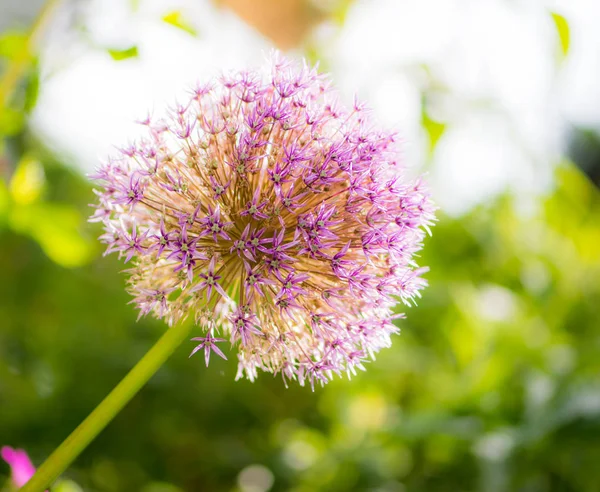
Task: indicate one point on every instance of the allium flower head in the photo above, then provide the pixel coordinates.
(277, 218)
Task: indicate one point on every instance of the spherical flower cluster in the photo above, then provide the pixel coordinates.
(275, 217)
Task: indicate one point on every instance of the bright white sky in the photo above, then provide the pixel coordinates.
(89, 102)
(493, 65)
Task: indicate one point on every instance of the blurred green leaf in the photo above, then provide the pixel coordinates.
(12, 121)
(4, 202)
(27, 181)
(12, 44)
(118, 55)
(340, 11)
(175, 18)
(56, 228)
(160, 487)
(434, 129)
(66, 486)
(563, 30)
(32, 90)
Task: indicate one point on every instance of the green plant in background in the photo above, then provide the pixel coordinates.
(492, 386)
(263, 211)
(25, 204)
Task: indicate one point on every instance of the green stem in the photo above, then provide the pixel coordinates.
(21, 61)
(73, 445)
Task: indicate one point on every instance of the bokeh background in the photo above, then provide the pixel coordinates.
(494, 383)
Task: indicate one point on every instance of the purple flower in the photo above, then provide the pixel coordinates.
(130, 193)
(209, 344)
(279, 175)
(149, 300)
(256, 240)
(131, 243)
(213, 225)
(163, 239)
(255, 281)
(291, 212)
(218, 188)
(20, 465)
(210, 281)
(338, 264)
(184, 251)
(290, 285)
(244, 324)
(255, 206)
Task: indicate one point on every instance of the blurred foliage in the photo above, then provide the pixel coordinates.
(14, 53)
(492, 386)
(177, 19)
(55, 225)
(584, 149)
(118, 55)
(564, 32)
(434, 129)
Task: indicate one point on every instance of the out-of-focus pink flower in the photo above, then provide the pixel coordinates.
(20, 465)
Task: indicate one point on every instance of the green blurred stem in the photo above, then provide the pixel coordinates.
(73, 445)
(20, 62)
